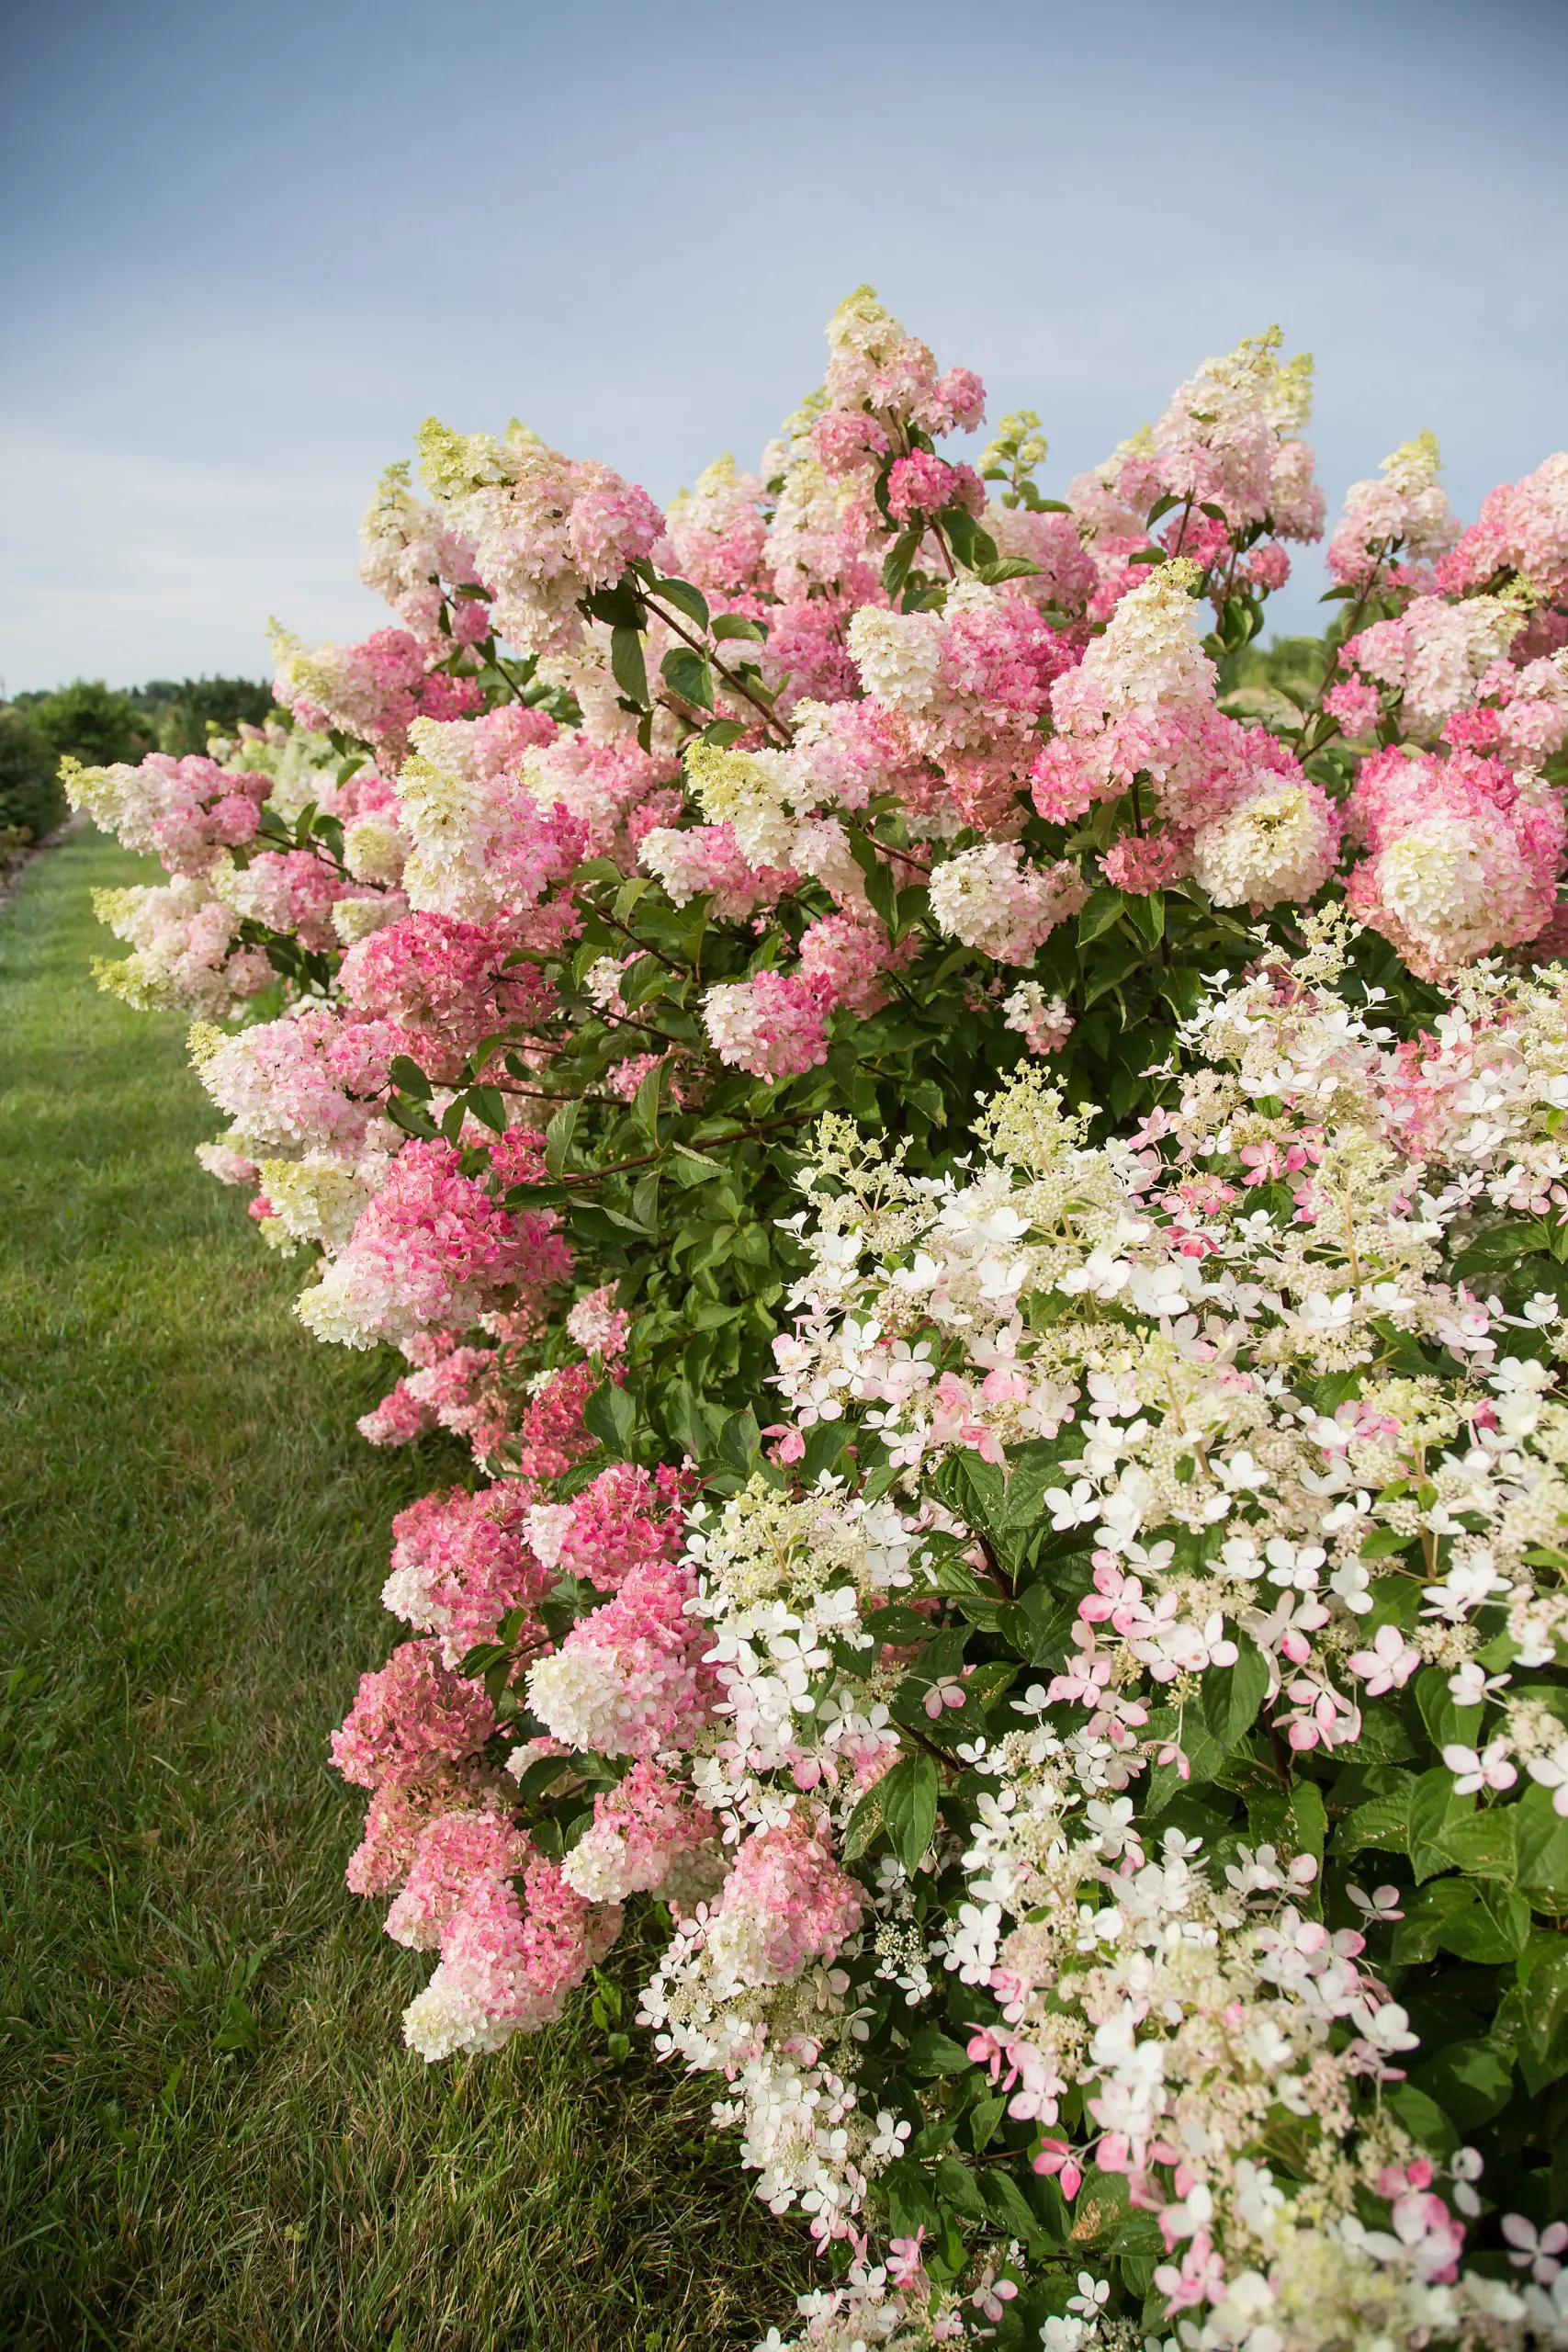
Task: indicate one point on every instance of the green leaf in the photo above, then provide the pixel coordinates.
(621, 606)
(412, 1120)
(958, 2189)
(686, 598)
(407, 1074)
(1427, 1915)
(489, 1106)
(896, 562)
(1495, 1928)
(1541, 1847)
(645, 1103)
(1232, 1695)
(1433, 1805)
(1481, 1845)
(611, 1417)
(1469, 2081)
(645, 1202)
(536, 1777)
(643, 979)
(1501, 1245)
(688, 674)
(1007, 567)
(628, 665)
(1423, 2119)
(1006, 2204)
(1296, 1822)
(1149, 914)
(932, 2052)
(1445, 1722)
(557, 1138)
(1102, 909)
(908, 1806)
(726, 625)
(1383, 1822)
(1111, 965)
(1538, 2006)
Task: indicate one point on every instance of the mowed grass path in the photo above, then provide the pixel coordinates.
(212, 2133)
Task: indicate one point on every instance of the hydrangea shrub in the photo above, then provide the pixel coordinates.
(990, 1207)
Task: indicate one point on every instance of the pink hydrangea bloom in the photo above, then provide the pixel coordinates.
(787, 1901)
(629, 1678)
(647, 1832)
(399, 1811)
(772, 1024)
(847, 962)
(1404, 508)
(1278, 842)
(624, 1519)
(991, 899)
(399, 1418)
(1522, 527)
(598, 1325)
(375, 690)
(289, 891)
(1461, 860)
(447, 982)
(922, 485)
(305, 1082)
(410, 1715)
(451, 1855)
(460, 1561)
(1356, 704)
(701, 858)
(507, 1965)
(551, 1436)
(1140, 863)
(718, 533)
(956, 402)
(432, 1247)
(185, 811)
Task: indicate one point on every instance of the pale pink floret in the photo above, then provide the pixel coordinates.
(508, 1964)
(399, 1811)
(698, 859)
(185, 812)
(846, 962)
(624, 1519)
(305, 1082)
(1523, 528)
(445, 982)
(374, 691)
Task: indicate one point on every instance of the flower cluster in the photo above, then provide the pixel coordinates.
(1160, 1503)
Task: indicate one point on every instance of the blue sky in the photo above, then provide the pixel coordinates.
(251, 247)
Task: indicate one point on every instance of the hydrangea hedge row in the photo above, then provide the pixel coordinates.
(993, 1215)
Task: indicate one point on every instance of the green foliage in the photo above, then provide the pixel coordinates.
(88, 721)
(186, 713)
(30, 796)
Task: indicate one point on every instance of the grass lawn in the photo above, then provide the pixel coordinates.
(213, 2136)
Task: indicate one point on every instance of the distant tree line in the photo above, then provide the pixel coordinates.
(99, 724)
